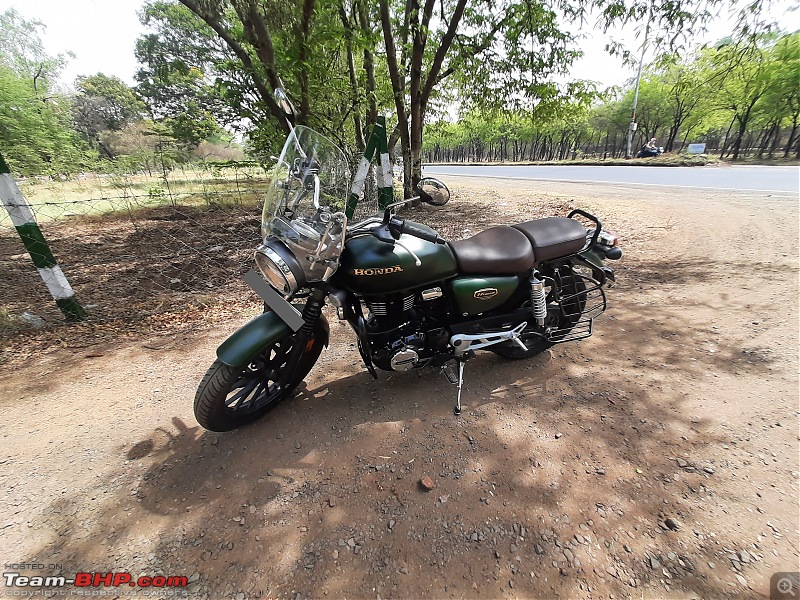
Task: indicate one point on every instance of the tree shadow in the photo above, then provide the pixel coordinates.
(558, 479)
(562, 475)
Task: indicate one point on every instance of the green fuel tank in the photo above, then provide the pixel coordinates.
(368, 266)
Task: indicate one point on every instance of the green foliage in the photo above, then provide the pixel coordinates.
(513, 61)
(189, 71)
(182, 59)
(35, 132)
(191, 126)
(103, 103)
(738, 98)
(115, 104)
(207, 63)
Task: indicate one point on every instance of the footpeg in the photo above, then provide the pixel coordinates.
(448, 372)
(464, 343)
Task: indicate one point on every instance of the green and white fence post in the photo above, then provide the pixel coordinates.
(376, 143)
(28, 229)
(385, 188)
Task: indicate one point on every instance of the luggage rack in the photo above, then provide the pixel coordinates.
(592, 303)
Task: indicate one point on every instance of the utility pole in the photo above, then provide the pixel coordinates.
(633, 125)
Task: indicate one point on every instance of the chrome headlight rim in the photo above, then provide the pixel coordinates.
(279, 267)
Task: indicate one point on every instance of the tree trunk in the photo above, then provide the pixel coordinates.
(792, 133)
(737, 142)
(421, 92)
(743, 121)
(304, 59)
(351, 68)
(398, 89)
(772, 132)
(725, 141)
(257, 34)
(369, 65)
(775, 139)
(686, 137)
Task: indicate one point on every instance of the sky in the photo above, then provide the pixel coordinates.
(102, 35)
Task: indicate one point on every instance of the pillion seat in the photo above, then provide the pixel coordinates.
(553, 237)
(501, 250)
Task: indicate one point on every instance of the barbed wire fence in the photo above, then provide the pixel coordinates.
(140, 250)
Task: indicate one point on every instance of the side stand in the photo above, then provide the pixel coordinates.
(459, 381)
(460, 362)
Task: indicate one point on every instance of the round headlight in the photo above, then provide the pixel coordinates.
(279, 267)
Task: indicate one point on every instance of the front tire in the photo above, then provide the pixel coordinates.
(229, 397)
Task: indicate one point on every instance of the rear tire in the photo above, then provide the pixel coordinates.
(229, 397)
(513, 352)
(555, 318)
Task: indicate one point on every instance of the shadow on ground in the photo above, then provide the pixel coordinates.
(560, 478)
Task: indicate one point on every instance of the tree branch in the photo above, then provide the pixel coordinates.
(213, 21)
(441, 52)
(302, 76)
(369, 63)
(398, 81)
(257, 33)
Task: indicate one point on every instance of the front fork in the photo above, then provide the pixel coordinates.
(311, 314)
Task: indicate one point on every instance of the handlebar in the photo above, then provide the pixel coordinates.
(400, 226)
(392, 230)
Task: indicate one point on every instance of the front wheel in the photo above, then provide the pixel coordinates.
(229, 397)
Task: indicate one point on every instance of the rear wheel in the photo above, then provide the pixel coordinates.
(561, 316)
(229, 397)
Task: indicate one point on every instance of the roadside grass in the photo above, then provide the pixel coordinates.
(766, 162)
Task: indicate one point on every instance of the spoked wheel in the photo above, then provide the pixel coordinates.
(229, 397)
(561, 317)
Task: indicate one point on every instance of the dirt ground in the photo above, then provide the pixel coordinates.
(658, 459)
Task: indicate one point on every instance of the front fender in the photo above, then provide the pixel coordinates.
(255, 335)
(250, 339)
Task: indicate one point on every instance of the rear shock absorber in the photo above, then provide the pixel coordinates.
(538, 299)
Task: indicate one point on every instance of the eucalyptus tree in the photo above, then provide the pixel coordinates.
(781, 102)
(427, 54)
(742, 76)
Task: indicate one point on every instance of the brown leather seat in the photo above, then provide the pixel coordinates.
(501, 250)
(554, 237)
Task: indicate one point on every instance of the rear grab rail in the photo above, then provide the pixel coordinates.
(595, 220)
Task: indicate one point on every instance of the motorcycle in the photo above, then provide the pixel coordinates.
(650, 151)
(413, 299)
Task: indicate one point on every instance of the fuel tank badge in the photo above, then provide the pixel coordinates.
(486, 293)
(380, 271)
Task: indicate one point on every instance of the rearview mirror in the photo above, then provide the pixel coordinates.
(432, 191)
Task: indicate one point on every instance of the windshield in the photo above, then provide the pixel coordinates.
(305, 201)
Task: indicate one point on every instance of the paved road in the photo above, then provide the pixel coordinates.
(754, 178)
